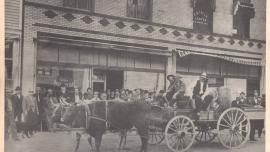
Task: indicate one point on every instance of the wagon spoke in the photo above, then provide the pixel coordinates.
(243, 130)
(239, 118)
(226, 121)
(231, 140)
(172, 129)
(240, 135)
(229, 119)
(245, 119)
(238, 138)
(224, 125)
(183, 141)
(236, 116)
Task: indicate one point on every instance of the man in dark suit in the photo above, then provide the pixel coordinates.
(16, 100)
(199, 90)
(41, 108)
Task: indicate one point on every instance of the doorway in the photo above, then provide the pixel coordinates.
(252, 85)
(114, 79)
(107, 79)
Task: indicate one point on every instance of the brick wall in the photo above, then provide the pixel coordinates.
(180, 13)
(258, 23)
(174, 12)
(111, 7)
(223, 19)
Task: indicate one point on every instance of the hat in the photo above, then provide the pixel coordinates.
(170, 75)
(242, 93)
(203, 75)
(18, 88)
(179, 76)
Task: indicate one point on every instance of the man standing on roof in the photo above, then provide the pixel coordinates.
(176, 89)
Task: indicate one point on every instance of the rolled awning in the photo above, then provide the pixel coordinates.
(239, 60)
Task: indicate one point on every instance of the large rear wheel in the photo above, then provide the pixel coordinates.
(180, 133)
(233, 128)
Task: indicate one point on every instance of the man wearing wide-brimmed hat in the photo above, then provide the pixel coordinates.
(16, 100)
(199, 90)
(176, 89)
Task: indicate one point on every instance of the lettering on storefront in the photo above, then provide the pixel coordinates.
(62, 80)
(200, 17)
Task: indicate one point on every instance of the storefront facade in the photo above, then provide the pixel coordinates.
(112, 49)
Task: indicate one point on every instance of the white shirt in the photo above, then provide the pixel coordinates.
(201, 89)
(77, 98)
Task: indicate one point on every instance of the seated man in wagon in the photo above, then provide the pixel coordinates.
(199, 91)
(176, 90)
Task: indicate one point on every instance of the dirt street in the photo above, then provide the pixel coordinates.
(64, 142)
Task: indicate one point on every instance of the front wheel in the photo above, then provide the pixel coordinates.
(180, 133)
(233, 128)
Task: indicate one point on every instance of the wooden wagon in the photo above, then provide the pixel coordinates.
(180, 128)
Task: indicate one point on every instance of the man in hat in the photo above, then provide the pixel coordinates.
(16, 100)
(63, 97)
(176, 89)
(199, 90)
(30, 112)
(76, 96)
(10, 124)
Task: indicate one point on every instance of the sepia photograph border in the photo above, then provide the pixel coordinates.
(2, 76)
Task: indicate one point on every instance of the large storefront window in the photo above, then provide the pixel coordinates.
(98, 68)
(55, 76)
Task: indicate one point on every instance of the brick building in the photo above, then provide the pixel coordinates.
(109, 44)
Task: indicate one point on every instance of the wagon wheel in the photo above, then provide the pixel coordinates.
(180, 133)
(156, 134)
(233, 128)
(205, 134)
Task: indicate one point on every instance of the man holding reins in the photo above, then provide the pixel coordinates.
(176, 89)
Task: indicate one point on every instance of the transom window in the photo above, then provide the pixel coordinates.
(80, 4)
(141, 9)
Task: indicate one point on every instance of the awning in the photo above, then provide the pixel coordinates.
(104, 44)
(239, 60)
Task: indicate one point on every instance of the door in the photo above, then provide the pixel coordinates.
(252, 85)
(99, 80)
(114, 79)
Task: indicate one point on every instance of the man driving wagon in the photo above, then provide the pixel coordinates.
(176, 90)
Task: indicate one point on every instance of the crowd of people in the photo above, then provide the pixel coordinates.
(30, 113)
(256, 101)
